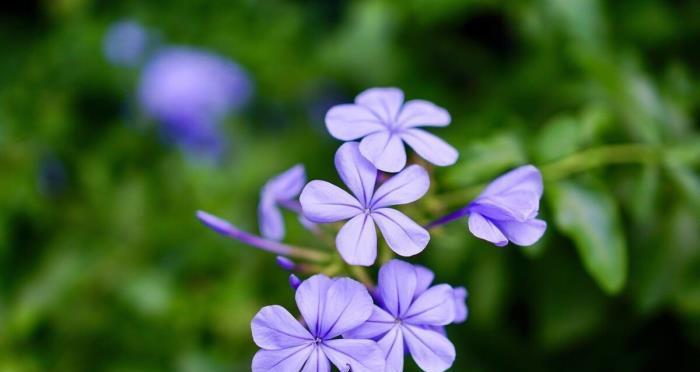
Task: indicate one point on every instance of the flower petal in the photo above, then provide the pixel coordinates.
(271, 221)
(357, 241)
(285, 186)
(349, 122)
(519, 205)
(275, 328)
(356, 171)
(403, 236)
(348, 305)
(317, 362)
(323, 202)
(396, 286)
(424, 277)
(360, 355)
(422, 113)
(284, 360)
(482, 228)
(461, 311)
(385, 151)
(384, 102)
(525, 178)
(378, 324)
(311, 300)
(433, 307)
(430, 147)
(405, 187)
(392, 345)
(431, 350)
(522, 233)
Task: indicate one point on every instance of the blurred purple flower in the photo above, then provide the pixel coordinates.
(281, 190)
(126, 43)
(324, 202)
(410, 315)
(506, 209)
(329, 307)
(190, 91)
(384, 122)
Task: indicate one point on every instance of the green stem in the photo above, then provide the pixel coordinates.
(576, 163)
(601, 156)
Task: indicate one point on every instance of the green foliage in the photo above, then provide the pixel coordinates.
(110, 271)
(589, 216)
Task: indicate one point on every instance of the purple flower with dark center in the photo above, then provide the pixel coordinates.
(125, 43)
(384, 122)
(281, 190)
(189, 91)
(324, 202)
(506, 210)
(330, 307)
(410, 315)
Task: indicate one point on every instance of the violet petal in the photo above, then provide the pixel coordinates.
(484, 229)
(360, 355)
(396, 286)
(275, 328)
(422, 113)
(430, 147)
(385, 150)
(356, 171)
(357, 241)
(405, 187)
(324, 202)
(349, 122)
(402, 234)
(429, 349)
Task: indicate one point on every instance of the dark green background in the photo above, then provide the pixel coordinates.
(108, 270)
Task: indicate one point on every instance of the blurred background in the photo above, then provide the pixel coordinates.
(119, 119)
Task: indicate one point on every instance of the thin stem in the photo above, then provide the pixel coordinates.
(448, 218)
(576, 163)
(362, 275)
(225, 228)
(601, 156)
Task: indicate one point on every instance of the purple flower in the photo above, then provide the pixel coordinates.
(189, 92)
(323, 202)
(410, 315)
(384, 122)
(506, 209)
(330, 307)
(125, 43)
(281, 190)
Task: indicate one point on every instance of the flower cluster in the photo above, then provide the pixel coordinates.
(362, 326)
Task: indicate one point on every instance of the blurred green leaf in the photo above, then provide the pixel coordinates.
(484, 159)
(589, 216)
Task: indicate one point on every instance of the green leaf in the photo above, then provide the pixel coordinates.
(589, 216)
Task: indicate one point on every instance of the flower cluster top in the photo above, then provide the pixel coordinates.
(360, 326)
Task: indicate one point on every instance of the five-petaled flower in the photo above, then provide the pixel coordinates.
(506, 209)
(384, 122)
(411, 314)
(323, 202)
(330, 307)
(281, 190)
